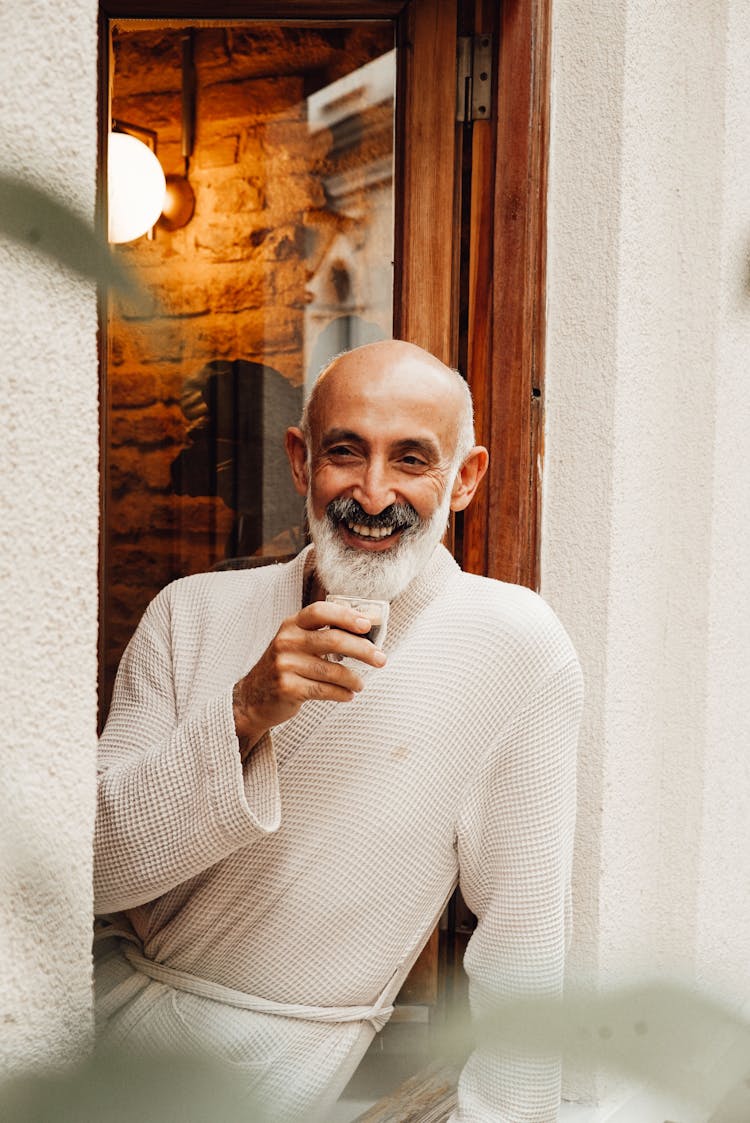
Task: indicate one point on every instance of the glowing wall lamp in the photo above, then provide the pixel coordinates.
(136, 185)
(139, 194)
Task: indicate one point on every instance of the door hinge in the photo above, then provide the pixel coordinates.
(474, 78)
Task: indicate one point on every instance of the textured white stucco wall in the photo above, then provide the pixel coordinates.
(646, 487)
(723, 921)
(48, 553)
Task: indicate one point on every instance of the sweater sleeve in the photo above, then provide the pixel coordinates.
(515, 843)
(173, 798)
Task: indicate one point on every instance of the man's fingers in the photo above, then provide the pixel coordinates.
(327, 628)
(318, 671)
(335, 641)
(328, 692)
(293, 643)
(328, 614)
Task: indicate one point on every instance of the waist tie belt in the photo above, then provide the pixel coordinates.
(377, 1014)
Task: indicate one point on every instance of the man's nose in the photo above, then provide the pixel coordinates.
(374, 491)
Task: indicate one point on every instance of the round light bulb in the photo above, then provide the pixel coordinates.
(136, 188)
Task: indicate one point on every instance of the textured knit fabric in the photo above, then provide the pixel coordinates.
(315, 874)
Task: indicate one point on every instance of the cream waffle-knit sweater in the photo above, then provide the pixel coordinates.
(314, 875)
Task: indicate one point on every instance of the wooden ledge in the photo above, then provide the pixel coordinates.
(427, 1097)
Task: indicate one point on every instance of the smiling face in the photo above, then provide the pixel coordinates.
(381, 475)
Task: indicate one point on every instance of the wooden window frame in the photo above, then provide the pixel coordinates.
(505, 334)
(505, 351)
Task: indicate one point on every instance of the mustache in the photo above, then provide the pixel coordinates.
(400, 516)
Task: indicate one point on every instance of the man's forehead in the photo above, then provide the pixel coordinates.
(397, 374)
(391, 390)
(392, 410)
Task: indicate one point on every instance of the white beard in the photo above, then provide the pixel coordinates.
(375, 575)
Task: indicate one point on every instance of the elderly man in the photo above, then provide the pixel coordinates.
(285, 809)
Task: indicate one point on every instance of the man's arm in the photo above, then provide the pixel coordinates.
(515, 843)
(174, 798)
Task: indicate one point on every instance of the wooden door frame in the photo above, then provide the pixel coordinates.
(507, 291)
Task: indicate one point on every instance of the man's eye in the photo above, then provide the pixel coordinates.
(340, 450)
(413, 461)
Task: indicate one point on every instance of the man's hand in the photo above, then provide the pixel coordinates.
(293, 668)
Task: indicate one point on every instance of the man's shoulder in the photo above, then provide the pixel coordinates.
(501, 614)
(503, 600)
(227, 588)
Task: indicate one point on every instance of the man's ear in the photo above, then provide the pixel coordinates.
(469, 477)
(296, 450)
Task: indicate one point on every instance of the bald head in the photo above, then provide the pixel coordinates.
(394, 371)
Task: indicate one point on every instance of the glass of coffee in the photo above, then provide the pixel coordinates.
(374, 610)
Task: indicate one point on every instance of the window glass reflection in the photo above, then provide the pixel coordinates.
(286, 260)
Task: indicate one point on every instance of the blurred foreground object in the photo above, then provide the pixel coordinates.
(41, 222)
(664, 1035)
(116, 1088)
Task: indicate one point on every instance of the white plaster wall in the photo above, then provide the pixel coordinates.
(646, 494)
(48, 552)
(584, 220)
(723, 921)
